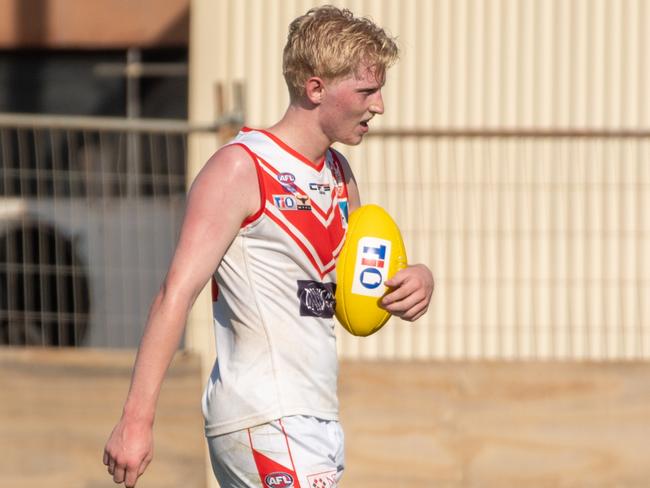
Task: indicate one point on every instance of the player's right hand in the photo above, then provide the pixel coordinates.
(129, 451)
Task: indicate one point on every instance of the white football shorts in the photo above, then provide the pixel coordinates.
(292, 452)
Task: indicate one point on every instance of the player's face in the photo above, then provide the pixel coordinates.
(349, 105)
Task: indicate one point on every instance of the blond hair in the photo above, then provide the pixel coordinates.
(331, 43)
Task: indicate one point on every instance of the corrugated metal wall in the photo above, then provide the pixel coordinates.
(540, 245)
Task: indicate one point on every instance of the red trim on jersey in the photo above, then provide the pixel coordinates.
(323, 238)
(321, 272)
(280, 188)
(258, 170)
(214, 289)
(288, 148)
(339, 167)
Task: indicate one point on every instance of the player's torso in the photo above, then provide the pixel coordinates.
(275, 305)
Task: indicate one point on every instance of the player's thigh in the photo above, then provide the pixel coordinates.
(295, 451)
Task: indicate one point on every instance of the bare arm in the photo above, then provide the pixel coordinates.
(224, 193)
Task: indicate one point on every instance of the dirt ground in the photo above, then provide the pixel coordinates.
(424, 424)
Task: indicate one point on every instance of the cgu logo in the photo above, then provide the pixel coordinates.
(286, 178)
(278, 480)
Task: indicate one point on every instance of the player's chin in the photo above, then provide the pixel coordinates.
(352, 140)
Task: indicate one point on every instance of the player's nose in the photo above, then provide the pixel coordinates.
(377, 105)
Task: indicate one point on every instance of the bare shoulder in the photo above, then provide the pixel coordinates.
(233, 160)
(229, 176)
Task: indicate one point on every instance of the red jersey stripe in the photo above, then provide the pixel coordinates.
(288, 148)
(301, 245)
(270, 169)
(256, 215)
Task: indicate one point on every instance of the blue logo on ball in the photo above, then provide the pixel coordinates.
(370, 278)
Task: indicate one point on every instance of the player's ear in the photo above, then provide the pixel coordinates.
(315, 90)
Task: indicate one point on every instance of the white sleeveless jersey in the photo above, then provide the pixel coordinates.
(273, 294)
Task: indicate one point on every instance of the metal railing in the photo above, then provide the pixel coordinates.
(89, 212)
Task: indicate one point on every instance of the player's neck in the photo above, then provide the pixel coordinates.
(299, 129)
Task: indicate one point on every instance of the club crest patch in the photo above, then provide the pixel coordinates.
(316, 298)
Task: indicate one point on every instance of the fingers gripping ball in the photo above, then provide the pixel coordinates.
(373, 252)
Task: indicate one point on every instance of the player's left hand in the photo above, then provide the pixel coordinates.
(412, 288)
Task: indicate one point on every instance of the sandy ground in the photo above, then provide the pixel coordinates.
(407, 424)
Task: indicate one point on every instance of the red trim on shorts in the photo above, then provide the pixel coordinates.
(286, 438)
(258, 170)
(288, 148)
(250, 443)
(267, 466)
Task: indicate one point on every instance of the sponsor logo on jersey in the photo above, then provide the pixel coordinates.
(286, 178)
(322, 188)
(304, 202)
(338, 177)
(322, 480)
(287, 181)
(316, 298)
(285, 202)
(371, 268)
(278, 480)
(343, 208)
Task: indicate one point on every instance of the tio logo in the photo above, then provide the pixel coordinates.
(278, 480)
(371, 268)
(373, 256)
(284, 202)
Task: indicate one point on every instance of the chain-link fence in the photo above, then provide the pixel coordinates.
(89, 215)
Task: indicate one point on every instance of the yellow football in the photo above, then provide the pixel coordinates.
(372, 253)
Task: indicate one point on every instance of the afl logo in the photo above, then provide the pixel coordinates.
(278, 480)
(286, 178)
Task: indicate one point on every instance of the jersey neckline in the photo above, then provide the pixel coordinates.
(287, 148)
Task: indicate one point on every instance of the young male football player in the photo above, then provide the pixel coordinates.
(265, 220)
